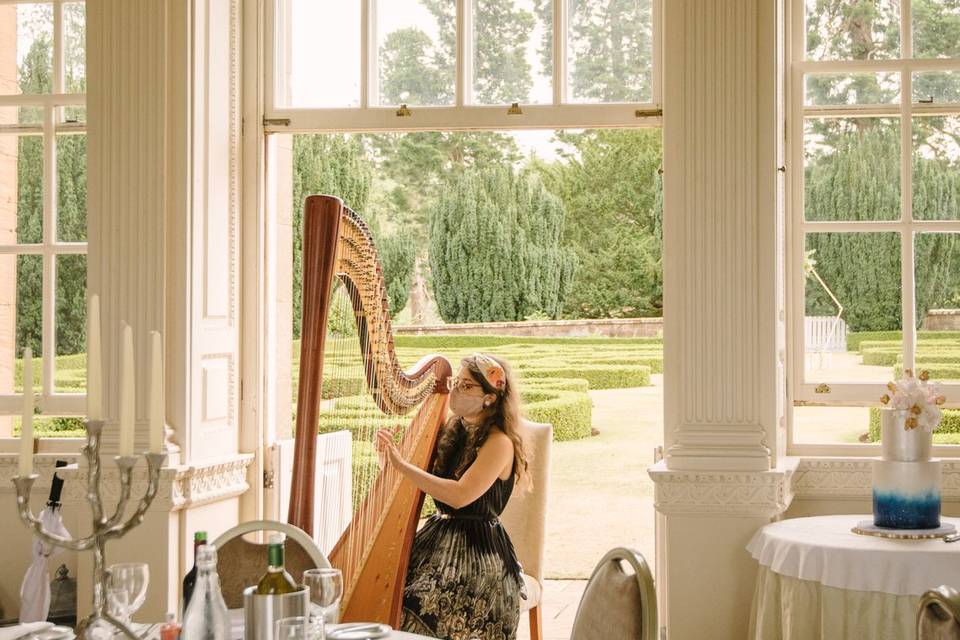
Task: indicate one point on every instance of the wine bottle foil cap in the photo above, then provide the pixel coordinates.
(207, 555)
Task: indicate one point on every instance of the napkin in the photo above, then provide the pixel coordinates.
(20, 630)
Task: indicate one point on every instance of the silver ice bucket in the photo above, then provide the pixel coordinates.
(261, 612)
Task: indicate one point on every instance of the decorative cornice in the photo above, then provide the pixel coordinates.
(181, 487)
(730, 493)
(852, 478)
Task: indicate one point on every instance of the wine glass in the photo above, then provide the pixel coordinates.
(118, 604)
(326, 589)
(297, 628)
(133, 578)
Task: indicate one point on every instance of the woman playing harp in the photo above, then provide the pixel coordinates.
(464, 580)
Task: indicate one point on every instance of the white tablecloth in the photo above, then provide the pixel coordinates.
(818, 579)
(236, 624)
(825, 550)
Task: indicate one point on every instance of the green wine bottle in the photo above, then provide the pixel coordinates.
(276, 580)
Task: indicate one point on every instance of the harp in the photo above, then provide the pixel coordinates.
(374, 550)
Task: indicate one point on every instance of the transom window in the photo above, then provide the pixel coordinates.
(424, 64)
(874, 136)
(43, 224)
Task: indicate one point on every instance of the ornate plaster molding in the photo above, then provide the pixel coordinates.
(730, 493)
(851, 478)
(181, 487)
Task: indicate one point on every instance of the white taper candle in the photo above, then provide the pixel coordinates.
(156, 393)
(94, 363)
(26, 419)
(126, 392)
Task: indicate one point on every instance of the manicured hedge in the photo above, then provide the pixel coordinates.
(890, 357)
(937, 371)
(461, 341)
(854, 340)
(598, 376)
(949, 426)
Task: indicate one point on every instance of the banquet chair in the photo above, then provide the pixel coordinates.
(241, 563)
(618, 604)
(938, 617)
(525, 519)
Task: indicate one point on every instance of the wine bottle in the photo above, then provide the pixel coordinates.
(189, 580)
(276, 580)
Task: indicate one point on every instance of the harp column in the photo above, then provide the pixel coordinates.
(723, 474)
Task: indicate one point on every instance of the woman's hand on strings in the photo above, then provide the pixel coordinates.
(386, 448)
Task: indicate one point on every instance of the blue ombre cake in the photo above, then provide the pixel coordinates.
(906, 482)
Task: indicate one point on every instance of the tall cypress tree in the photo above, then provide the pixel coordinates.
(496, 248)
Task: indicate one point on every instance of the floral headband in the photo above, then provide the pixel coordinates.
(491, 370)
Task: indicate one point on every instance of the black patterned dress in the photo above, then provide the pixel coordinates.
(464, 580)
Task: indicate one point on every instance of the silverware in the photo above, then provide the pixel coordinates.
(953, 537)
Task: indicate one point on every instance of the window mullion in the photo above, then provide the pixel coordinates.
(907, 271)
(49, 213)
(906, 32)
(559, 51)
(58, 70)
(464, 53)
(369, 80)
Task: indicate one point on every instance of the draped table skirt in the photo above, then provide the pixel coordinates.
(817, 580)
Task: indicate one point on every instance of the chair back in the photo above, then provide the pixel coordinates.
(525, 516)
(938, 616)
(617, 603)
(241, 563)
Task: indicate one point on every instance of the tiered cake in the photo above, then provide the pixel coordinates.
(906, 482)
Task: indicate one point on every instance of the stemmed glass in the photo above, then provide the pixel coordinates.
(326, 589)
(132, 578)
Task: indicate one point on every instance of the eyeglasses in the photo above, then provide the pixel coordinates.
(460, 384)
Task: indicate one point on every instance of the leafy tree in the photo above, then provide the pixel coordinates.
(496, 248)
(339, 165)
(610, 190)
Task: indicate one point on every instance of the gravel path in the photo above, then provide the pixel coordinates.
(600, 495)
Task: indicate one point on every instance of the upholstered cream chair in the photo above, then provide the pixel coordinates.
(620, 602)
(525, 520)
(938, 617)
(241, 563)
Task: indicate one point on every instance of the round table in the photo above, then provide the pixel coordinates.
(818, 579)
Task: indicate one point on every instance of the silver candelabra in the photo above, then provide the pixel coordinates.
(103, 528)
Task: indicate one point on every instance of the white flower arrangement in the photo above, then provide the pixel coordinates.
(918, 399)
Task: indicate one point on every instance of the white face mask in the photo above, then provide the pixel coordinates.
(463, 405)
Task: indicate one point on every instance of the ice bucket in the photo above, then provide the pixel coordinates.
(261, 612)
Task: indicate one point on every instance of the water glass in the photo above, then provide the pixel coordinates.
(297, 628)
(326, 590)
(132, 577)
(118, 604)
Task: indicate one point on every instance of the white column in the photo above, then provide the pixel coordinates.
(722, 477)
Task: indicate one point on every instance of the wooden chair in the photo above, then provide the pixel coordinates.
(620, 602)
(938, 616)
(240, 562)
(525, 520)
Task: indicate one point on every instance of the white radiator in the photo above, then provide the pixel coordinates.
(332, 491)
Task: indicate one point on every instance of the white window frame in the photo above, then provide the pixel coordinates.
(561, 114)
(50, 402)
(803, 393)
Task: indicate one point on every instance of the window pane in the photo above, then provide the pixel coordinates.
(936, 168)
(852, 320)
(28, 66)
(610, 51)
(71, 115)
(829, 425)
(21, 196)
(938, 305)
(21, 115)
(852, 169)
(936, 87)
(72, 187)
(324, 63)
(830, 89)
(74, 47)
(417, 48)
(24, 329)
(935, 26)
(844, 30)
(71, 313)
(508, 39)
